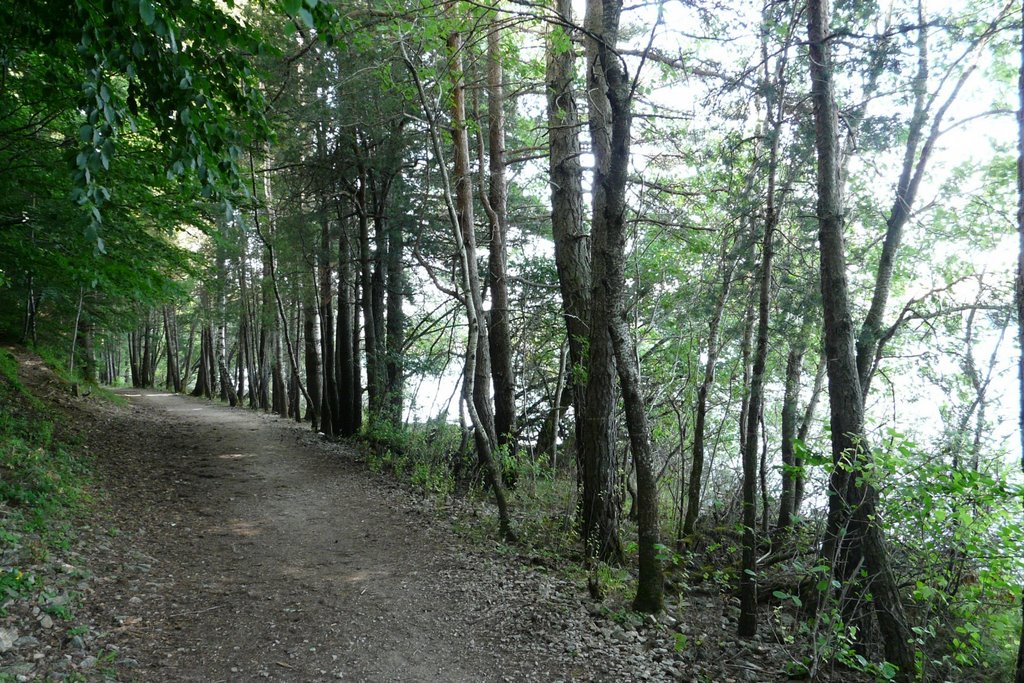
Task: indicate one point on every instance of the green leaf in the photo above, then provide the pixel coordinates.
(306, 17)
(147, 12)
(291, 6)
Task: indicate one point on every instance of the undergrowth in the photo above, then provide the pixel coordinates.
(42, 486)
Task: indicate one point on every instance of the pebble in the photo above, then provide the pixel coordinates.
(8, 639)
(46, 621)
(88, 663)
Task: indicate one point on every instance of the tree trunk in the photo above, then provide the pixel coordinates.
(227, 389)
(917, 153)
(748, 451)
(610, 124)
(295, 387)
(573, 263)
(852, 531)
(495, 203)
(775, 91)
(366, 285)
(329, 410)
(346, 398)
(601, 497)
(170, 337)
(147, 354)
(378, 294)
(273, 316)
(461, 215)
(805, 428)
(357, 371)
(395, 325)
(1019, 678)
(312, 362)
(89, 350)
(791, 395)
(701, 412)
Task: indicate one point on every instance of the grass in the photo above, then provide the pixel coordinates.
(42, 486)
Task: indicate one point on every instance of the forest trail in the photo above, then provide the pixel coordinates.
(262, 554)
(250, 549)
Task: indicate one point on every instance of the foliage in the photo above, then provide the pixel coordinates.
(42, 480)
(962, 548)
(424, 456)
(43, 484)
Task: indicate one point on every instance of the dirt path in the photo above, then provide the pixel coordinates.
(252, 550)
(263, 557)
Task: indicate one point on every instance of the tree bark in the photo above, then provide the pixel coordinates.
(1019, 291)
(573, 261)
(312, 362)
(610, 127)
(852, 531)
(346, 397)
(791, 395)
(477, 403)
(371, 347)
(497, 263)
(329, 409)
(170, 336)
(700, 417)
(460, 214)
(601, 497)
(394, 324)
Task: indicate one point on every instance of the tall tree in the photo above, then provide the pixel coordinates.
(495, 204)
(573, 265)
(852, 533)
(459, 205)
(611, 343)
(1019, 291)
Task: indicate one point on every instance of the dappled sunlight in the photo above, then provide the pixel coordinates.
(237, 527)
(355, 577)
(236, 456)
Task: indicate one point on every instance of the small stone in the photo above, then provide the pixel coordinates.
(135, 600)
(46, 621)
(77, 643)
(26, 641)
(8, 639)
(88, 663)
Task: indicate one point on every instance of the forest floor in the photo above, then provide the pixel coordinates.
(228, 545)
